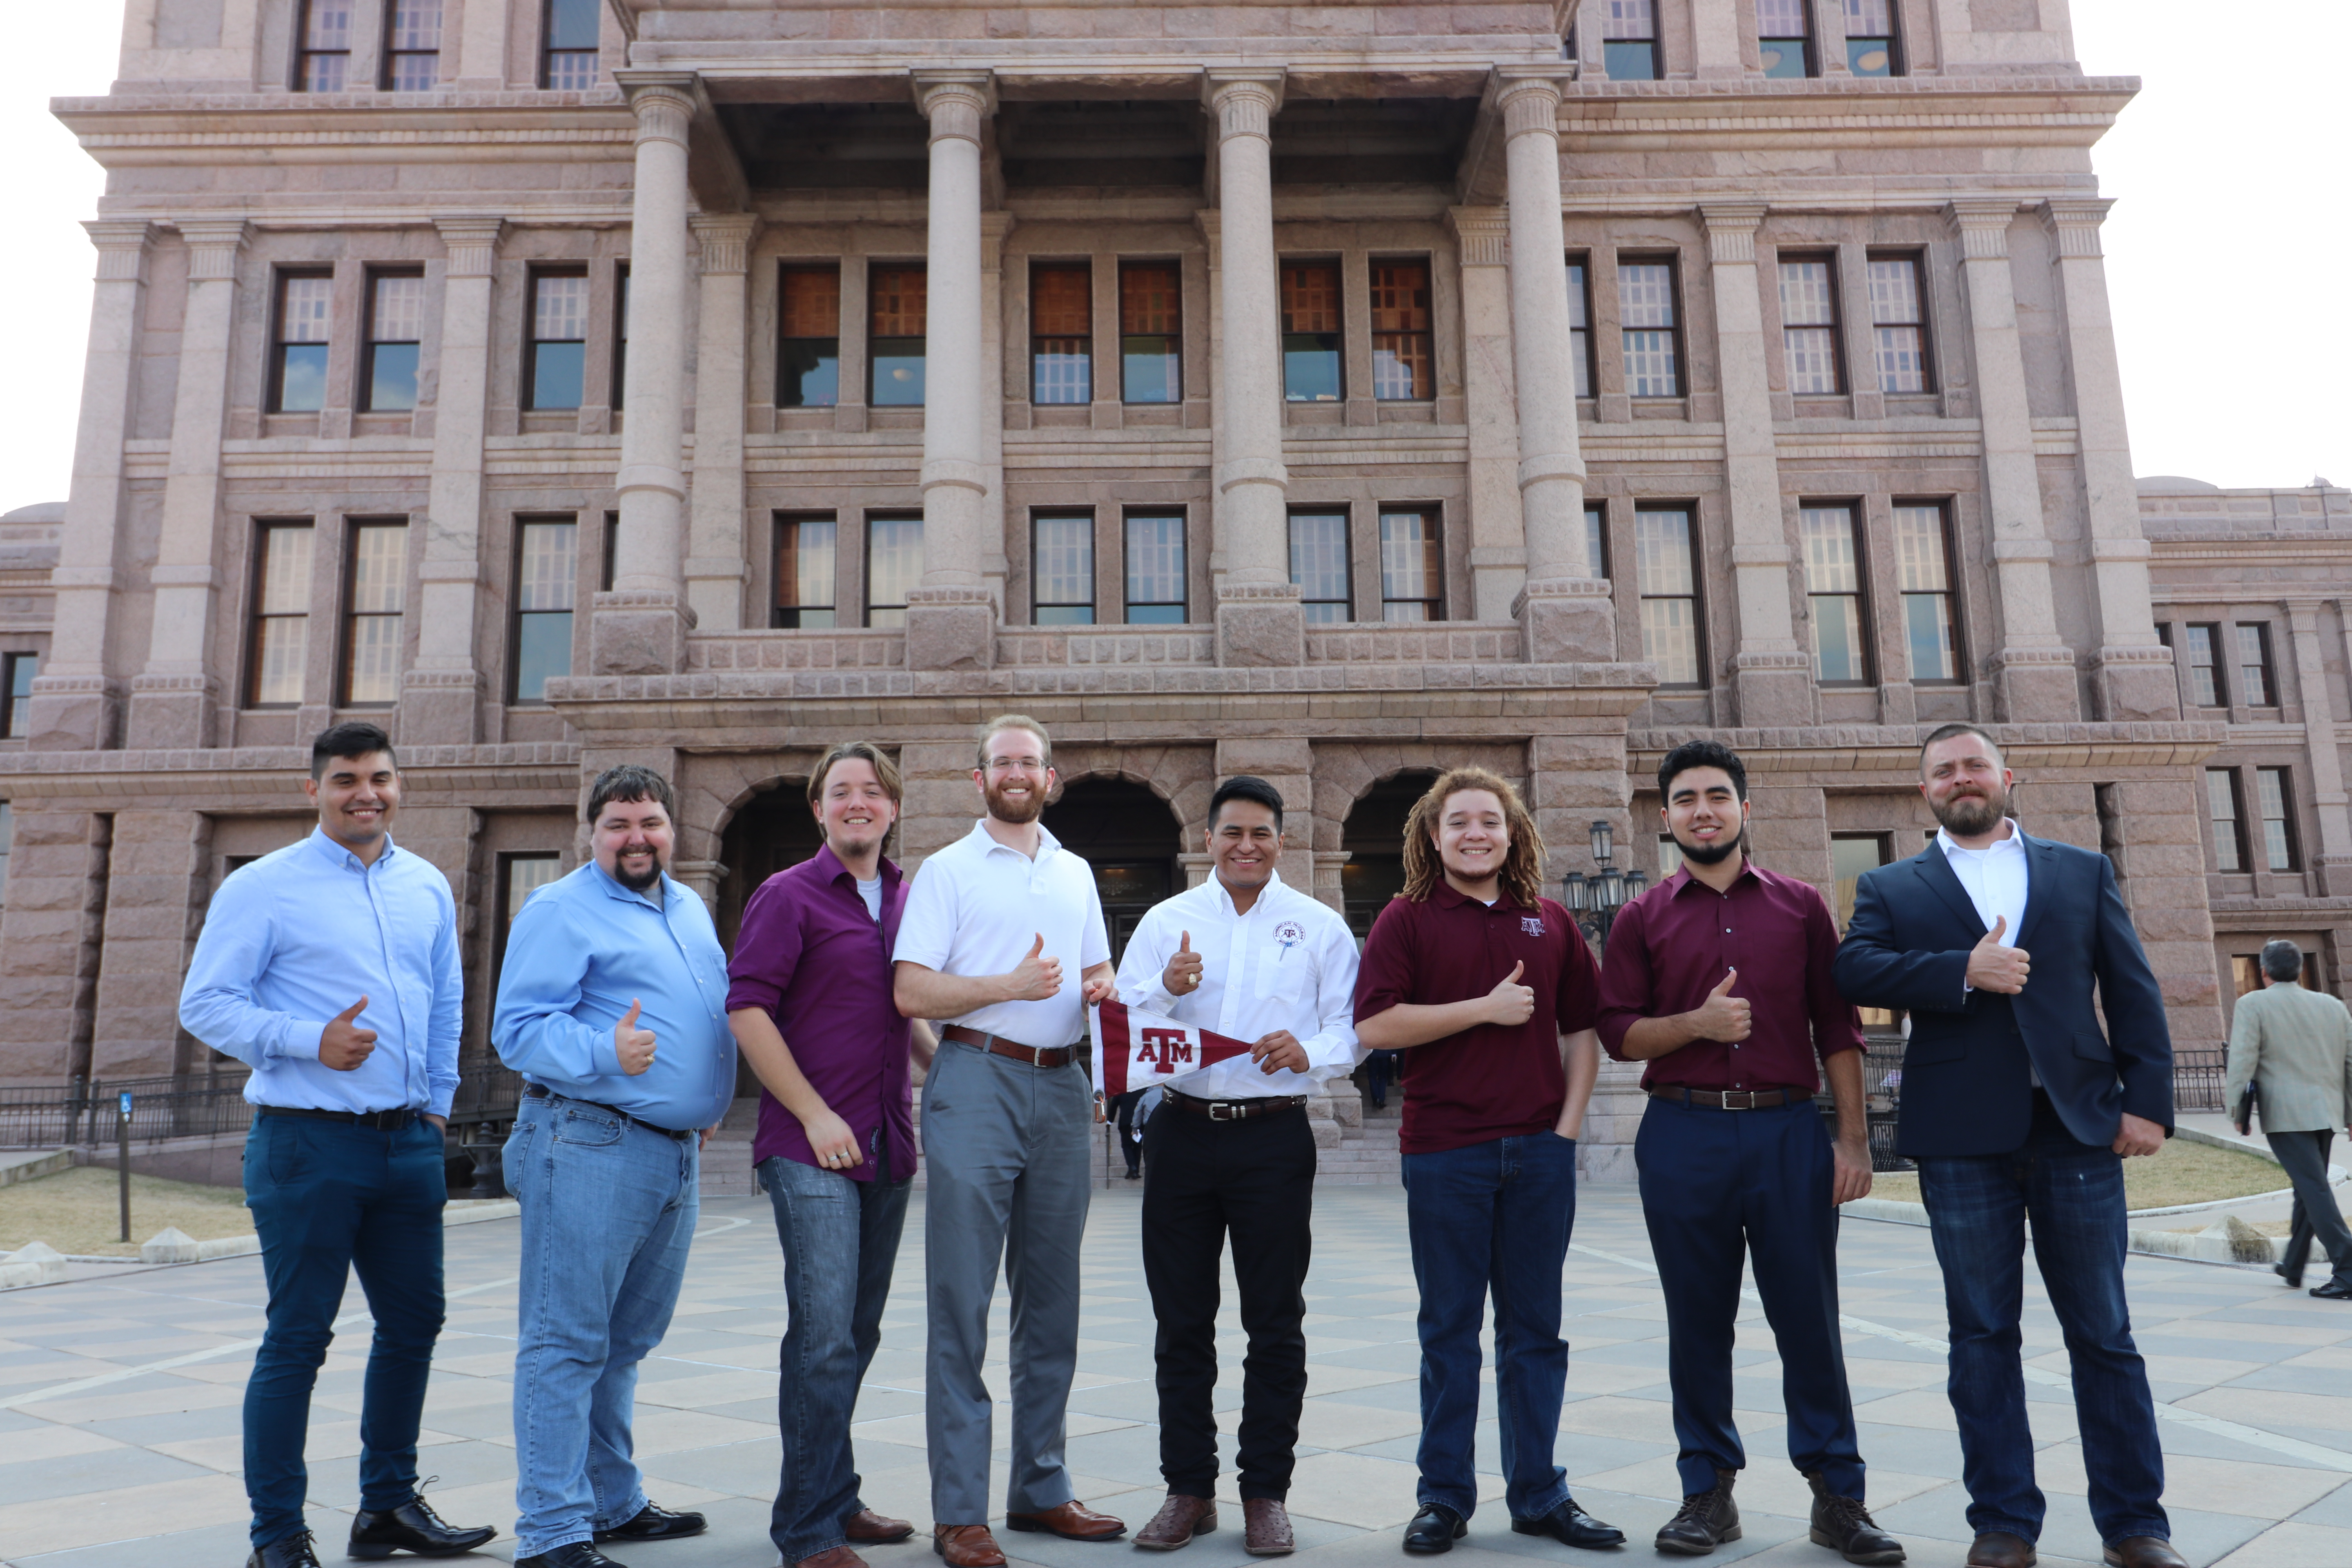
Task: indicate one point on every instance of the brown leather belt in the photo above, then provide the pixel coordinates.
(1235, 1109)
(998, 1045)
(1731, 1099)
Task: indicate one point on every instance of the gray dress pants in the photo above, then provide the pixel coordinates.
(2316, 1215)
(1008, 1149)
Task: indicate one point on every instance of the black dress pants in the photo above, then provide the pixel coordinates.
(2316, 1217)
(1202, 1181)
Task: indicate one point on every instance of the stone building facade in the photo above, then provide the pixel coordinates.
(1333, 392)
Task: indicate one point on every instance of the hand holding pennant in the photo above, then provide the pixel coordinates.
(1136, 1049)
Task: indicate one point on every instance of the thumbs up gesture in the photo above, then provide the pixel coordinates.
(342, 1044)
(1992, 967)
(1511, 1004)
(635, 1046)
(1182, 976)
(1723, 1016)
(1037, 977)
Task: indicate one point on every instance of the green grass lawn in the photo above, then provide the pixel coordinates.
(76, 1211)
(2184, 1172)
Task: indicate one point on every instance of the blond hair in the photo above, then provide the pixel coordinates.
(884, 769)
(988, 733)
(1522, 873)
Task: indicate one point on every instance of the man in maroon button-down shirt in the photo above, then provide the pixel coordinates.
(1719, 978)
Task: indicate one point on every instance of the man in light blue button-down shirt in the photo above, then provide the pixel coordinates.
(613, 1005)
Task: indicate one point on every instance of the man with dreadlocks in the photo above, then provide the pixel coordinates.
(1490, 991)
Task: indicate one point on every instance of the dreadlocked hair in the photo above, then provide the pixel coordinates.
(1522, 876)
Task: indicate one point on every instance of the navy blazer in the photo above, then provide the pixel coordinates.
(1965, 1084)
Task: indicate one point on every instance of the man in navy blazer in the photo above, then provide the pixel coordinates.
(2015, 1103)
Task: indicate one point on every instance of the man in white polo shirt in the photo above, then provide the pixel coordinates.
(994, 925)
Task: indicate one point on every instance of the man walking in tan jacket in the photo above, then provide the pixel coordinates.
(2295, 1047)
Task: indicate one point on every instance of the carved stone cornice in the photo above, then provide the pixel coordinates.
(472, 244)
(1982, 223)
(1483, 235)
(1731, 230)
(2073, 223)
(665, 102)
(726, 240)
(1243, 100)
(214, 246)
(955, 102)
(1528, 98)
(123, 246)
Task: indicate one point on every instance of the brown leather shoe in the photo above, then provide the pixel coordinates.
(966, 1546)
(2143, 1551)
(1072, 1522)
(1266, 1527)
(1180, 1519)
(833, 1557)
(868, 1528)
(1999, 1549)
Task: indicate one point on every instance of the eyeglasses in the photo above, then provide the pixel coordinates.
(1015, 765)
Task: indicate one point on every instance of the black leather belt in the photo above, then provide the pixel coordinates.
(1731, 1099)
(1233, 1109)
(540, 1092)
(998, 1045)
(384, 1121)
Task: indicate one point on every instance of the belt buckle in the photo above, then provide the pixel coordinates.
(1223, 1111)
(1748, 1093)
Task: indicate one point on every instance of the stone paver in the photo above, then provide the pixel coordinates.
(107, 1464)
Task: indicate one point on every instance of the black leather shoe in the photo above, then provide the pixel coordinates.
(1845, 1527)
(2333, 1292)
(576, 1554)
(1707, 1519)
(412, 1527)
(1434, 1529)
(2294, 1280)
(294, 1552)
(1571, 1526)
(655, 1522)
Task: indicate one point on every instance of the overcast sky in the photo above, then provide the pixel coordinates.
(2227, 252)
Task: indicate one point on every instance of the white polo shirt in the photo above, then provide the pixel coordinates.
(1288, 963)
(977, 907)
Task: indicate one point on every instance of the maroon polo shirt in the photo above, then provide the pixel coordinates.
(1488, 1082)
(1671, 946)
(819, 964)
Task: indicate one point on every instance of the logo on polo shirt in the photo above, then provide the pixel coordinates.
(1532, 924)
(1289, 933)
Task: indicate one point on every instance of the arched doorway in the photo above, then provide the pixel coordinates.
(1373, 836)
(1129, 837)
(772, 830)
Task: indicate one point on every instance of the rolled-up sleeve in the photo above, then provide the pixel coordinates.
(534, 1030)
(217, 1000)
(1627, 985)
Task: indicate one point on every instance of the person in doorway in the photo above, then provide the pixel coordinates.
(2295, 1047)
(1123, 1112)
(1491, 989)
(1718, 978)
(1230, 1152)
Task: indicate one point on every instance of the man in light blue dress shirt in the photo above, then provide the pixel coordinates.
(613, 1006)
(331, 968)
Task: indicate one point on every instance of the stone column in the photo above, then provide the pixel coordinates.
(951, 624)
(716, 568)
(440, 695)
(481, 50)
(1498, 553)
(156, 886)
(173, 701)
(77, 698)
(1564, 612)
(2132, 678)
(639, 627)
(2329, 802)
(1772, 675)
(993, 563)
(1259, 621)
(2033, 672)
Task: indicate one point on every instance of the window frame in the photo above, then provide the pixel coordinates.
(1920, 282)
(15, 706)
(2222, 685)
(257, 590)
(1672, 262)
(1347, 603)
(515, 699)
(537, 275)
(1954, 613)
(549, 54)
(2241, 846)
(778, 611)
(389, 57)
(874, 340)
(1432, 604)
(347, 637)
(1651, 40)
(1129, 604)
(1040, 270)
(786, 338)
(1085, 517)
(370, 341)
(1584, 373)
(1840, 382)
(1174, 338)
(507, 908)
(2285, 819)
(1892, 38)
(1284, 268)
(1596, 539)
(1864, 637)
(1693, 543)
(281, 290)
(620, 338)
(1424, 338)
(2262, 665)
(304, 54)
(866, 573)
(1809, 62)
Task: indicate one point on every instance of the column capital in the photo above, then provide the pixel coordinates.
(214, 246)
(1483, 235)
(726, 239)
(123, 246)
(1245, 99)
(1982, 223)
(472, 244)
(1731, 230)
(994, 227)
(2075, 223)
(665, 102)
(1528, 96)
(955, 102)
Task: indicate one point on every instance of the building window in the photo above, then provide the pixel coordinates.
(281, 615)
(806, 552)
(1852, 854)
(2228, 816)
(412, 46)
(2205, 688)
(519, 876)
(1833, 594)
(1629, 40)
(2274, 796)
(1923, 576)
(568, 54)
(1670, 855)
(7, 839)
(1809, 335)
(395, 330)
(1311, 331)
(1784, 37)
(1403, 367)
(322, 57)
(298, 368)
(1668, 582)
(1413, 567)
(620, 332)
(376, 596)
(808, 356)
(897, 313)
(1898, 324)
(1062, 569)
(545, 587)
(1579, 324)
(1155, 569)
(1870, 39)
(1646, 303)
(1596, 541)
(1061, 333)
(556, 366)
(2254, 665)
(16, 673)
(894, 564)
(1150, 331)
(610, 566)
(1319, 563)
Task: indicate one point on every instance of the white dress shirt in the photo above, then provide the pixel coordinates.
(977, 907)
(1288, 963)
(1995, 880)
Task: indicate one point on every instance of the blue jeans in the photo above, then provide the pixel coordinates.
(1977, 1208)
(1492, 1217)
(608, 1212)
(328, 1200)
(840, 1239)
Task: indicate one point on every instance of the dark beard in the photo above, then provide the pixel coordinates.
(646, 883)
(1715, 855)
(1014, 816)
(1967, 815)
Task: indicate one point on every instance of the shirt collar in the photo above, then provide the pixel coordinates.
(829, 866)
(1047, 842)
(1225, 898)
(1449, 897)
(2015, 841)
(1748, 870)
(342, 859)
(613, 888)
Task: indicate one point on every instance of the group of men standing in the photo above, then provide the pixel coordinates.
(330, 967)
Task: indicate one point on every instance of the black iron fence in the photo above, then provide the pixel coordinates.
(2197, 1072)
(86, 1111)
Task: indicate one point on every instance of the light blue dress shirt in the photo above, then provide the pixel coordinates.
(584, 947)
(297, 936)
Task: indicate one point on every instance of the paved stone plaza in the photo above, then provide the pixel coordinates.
(101, 1465)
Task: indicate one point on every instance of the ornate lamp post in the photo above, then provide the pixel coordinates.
(1594, 900)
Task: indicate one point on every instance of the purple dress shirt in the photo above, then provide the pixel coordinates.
(810, 955)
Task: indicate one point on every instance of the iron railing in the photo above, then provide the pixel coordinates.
(85, 1111)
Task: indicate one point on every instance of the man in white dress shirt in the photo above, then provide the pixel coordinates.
(1247, 957)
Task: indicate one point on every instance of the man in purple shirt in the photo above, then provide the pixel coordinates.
(810, 1004)
(1719, 978)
